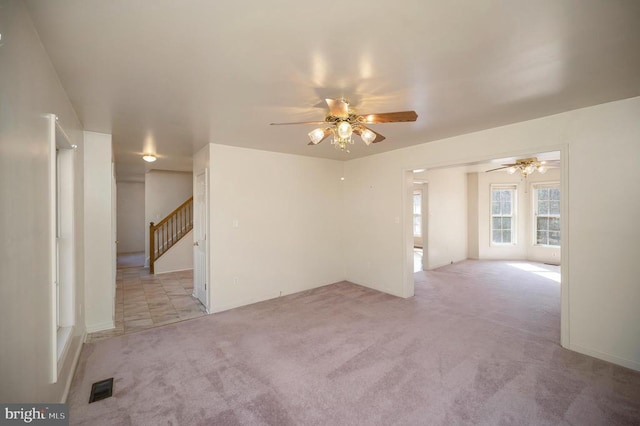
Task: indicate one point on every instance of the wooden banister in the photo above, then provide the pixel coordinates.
(169, 231)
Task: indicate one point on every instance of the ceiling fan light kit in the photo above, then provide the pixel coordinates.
(342, 122)
(367, 136)
(525, 166)
(316, 135)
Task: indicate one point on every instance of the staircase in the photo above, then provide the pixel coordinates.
(169, 231)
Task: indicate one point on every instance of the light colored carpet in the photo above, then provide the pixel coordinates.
(478, 344)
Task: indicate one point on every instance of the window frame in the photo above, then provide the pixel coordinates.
(534, 212)
(514, 213)
(62, 193)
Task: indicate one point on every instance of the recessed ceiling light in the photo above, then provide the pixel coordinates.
(418, 170)
(149, 158)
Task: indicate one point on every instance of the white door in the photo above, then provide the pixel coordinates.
(200, 244)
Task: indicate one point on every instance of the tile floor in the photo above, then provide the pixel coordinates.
(144, 301)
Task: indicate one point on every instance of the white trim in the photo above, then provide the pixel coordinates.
(62, 243)
(198, 204)
(72, 370)
(216, 309)
(634, 365)
(53, 262)
(565, 336)
(101, 326)
(175, 270)
(63, 339)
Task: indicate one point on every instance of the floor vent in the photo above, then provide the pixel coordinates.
(101, 390)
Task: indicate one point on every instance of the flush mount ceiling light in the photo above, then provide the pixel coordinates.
(342, 122)
(149, 158)
(526, 166)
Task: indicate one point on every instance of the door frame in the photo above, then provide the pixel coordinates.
(407, 215)
(197, 291)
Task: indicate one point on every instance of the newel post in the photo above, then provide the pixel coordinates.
(152, 245)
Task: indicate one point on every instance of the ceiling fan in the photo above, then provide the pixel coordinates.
(526, 166)
(342, 122)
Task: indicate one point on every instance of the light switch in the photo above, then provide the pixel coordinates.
(236, 223)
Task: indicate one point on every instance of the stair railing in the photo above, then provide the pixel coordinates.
(169, 231)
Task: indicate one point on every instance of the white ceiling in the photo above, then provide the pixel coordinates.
(171, 76)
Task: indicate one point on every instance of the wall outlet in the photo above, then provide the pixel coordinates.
(236, 223)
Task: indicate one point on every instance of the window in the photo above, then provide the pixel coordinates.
(417, 212)
(547, 215)
(62, 240)
(503, 214)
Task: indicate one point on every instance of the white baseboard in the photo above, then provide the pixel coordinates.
(102, 326)
(376, 288)
(72, 371)
(176, 270)
(634, 365)
(217, 308)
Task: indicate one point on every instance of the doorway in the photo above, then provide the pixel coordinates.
(451, 215)
(420, 222)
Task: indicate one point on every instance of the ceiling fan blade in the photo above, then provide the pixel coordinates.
(389, 117)
(338, 107)
(299, 122)
(500, 168)
(379, 137)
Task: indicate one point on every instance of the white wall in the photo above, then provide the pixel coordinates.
(601, 149)
(164, 191)
(131, 217)
(276, 225)
(524, 247)
(178, 258)
(446, 216)
(99, 240)
(29, 89)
